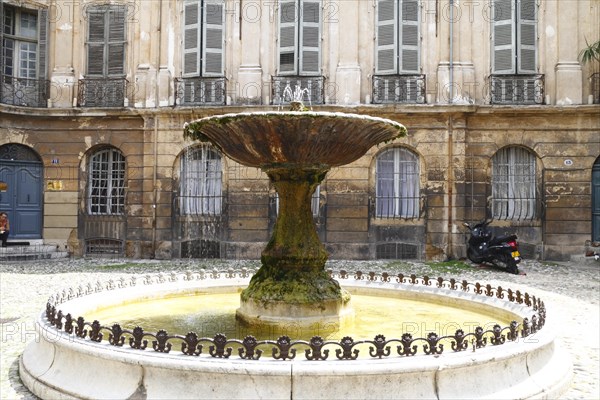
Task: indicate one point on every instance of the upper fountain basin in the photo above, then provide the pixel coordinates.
(306, 138)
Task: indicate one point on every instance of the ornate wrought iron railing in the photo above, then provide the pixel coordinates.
(595, 86)
(200, 91)
(399, 89)
(285, 348)
(102, 92)
(313, 88)
(24, 92)
(516, 89)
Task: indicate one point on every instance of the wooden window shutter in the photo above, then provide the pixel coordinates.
(310, 37)
(2, 61)
(95, 45)
(116, 41)
(42, 43)
(527, 34)
(191, 38)
(409, 37)
(213, 23)
(386, 37)
(503, 37)
(288, 37)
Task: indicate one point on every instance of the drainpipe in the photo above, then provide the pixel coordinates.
(451, 66)
(450, 185)
(155, 144)
(154, 186)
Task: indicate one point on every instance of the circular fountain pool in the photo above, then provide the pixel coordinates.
(78, 357)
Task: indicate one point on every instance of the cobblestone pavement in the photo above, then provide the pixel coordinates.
(571, 293)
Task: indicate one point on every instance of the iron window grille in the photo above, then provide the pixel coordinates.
(514, 184)
(104, 247)
(201, 182)
(397, 191)
(399, 89)
(517, 89)
(397, 251)
(312, 88)
(102, 92)
(595, 86)
(200, 91)
(24, 92)
(106, 185)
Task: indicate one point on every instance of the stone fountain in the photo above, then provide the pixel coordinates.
(295, 149)
(74, 358)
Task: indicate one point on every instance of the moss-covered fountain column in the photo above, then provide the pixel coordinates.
(292, 282)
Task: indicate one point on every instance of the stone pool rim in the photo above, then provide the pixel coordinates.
(533, 366)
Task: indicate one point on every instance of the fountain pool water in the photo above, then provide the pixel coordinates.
(209, 313)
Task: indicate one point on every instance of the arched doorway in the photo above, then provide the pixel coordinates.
(596, 201)
(22, 171)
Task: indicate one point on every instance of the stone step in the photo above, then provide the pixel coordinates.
(17, 252)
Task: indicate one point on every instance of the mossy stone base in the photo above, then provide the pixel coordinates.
(301, 298)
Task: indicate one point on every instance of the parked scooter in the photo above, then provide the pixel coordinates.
(502, 251)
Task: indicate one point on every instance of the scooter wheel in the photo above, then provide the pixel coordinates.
(511, 266)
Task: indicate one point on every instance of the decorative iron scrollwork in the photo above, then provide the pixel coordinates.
(218, 348)
(284, 348)
(381, 348)
(137, 341)
(161, 343)
(191, 345)
(115, 337)
(316, 352)
(433, 346)
(459, 343)
(95, 334)
(249, 351)
(405, 349)
(347, 352)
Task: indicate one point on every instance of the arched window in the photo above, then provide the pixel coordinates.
(513, 184)
(106, 183)
(200, 188)
(397, 187)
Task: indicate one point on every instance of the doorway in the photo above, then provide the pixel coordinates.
(596, 201)
(22, 172)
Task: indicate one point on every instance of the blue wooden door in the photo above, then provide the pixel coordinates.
(596, 201)
(22, 200)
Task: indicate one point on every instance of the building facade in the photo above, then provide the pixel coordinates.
(503, 122)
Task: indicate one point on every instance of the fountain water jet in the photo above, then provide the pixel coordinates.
(295, 149)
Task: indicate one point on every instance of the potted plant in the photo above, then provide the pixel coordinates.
(590, 54)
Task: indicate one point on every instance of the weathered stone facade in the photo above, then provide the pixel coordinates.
(455, 137)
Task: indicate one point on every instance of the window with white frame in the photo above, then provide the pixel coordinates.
(106, 41)
(397, 184)
(23, 39)
(299, 41)
(106, 183)
(201, 181)
(514, 37)
(397, 37)
(513, 184)
(203, 38)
